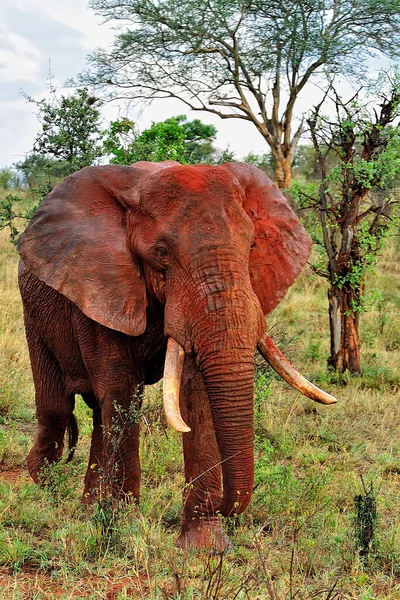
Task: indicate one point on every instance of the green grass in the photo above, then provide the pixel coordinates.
(297, 538)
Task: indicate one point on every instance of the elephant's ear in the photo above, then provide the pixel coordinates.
(281, 246)
(76, 243)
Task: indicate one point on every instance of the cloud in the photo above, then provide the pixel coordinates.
(17, 124)
(19, 59)
(36, 33)
(37, 36)
(34, 39)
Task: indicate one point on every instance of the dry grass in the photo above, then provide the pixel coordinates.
(297, 538)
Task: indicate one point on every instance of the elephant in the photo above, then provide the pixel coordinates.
(131, 273)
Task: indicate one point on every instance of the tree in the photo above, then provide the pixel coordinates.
(36, 168)
(265, 162)
(199, 139)
(173, 139)
(71, 129)
(240, 59)
(9, 179)
(68, 140)
(354, 218)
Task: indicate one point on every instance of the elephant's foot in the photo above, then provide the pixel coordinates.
(90, 497)
(34, 465)
(204, 534)
(36, 461)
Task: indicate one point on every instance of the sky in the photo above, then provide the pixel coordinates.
(57, 35)
(36, 35)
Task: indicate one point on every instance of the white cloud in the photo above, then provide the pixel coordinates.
(34, 34)
(19, 59)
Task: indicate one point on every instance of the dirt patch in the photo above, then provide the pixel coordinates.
(14, 476)
(107, 587)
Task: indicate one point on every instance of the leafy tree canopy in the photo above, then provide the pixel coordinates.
(9, 179)
(241, 59)
(71, 129)
(173, 139)
(36, 167)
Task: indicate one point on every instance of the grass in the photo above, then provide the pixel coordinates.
(296, 540)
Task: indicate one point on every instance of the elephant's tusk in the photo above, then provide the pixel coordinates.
(282, 366)
(172, 383)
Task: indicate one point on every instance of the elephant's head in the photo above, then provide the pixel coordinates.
(218, 246)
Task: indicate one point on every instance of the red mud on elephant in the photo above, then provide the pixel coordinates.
(129, 272)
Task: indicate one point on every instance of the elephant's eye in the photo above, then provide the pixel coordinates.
(252, 246)
(162, 254)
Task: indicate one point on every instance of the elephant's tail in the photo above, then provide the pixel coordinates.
(73, 432)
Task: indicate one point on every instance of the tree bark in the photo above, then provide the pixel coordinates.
(344, 324)
(283, 171)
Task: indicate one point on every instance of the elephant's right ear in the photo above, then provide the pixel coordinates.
(76, 243)
(281, 244)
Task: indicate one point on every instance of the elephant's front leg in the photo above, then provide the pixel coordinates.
(117, 384)
(114, 465)
(201, 526)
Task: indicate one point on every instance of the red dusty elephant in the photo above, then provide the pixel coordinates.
(127, 272)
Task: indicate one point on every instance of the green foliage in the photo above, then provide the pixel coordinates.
(172, 139)
(365, 522)
(68, 140)
(60, 480)
(352, 209)
(237, 59)
(71, 129)
(14, 444)
(9, 217)
(224, 156)
(9, 179)
(16, 553)
(199, 139)
(264, 162)
(37, 169)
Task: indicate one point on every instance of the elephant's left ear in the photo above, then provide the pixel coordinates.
(76, 243)
(281, 245)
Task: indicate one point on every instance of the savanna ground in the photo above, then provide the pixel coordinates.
(298, 538)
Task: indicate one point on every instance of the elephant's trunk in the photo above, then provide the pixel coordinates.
(229, 381)
(228, 373)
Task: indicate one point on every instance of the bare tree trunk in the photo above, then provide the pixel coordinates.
(283, 171)
(344, 324)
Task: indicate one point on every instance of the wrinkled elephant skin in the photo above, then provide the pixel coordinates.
(117, 260)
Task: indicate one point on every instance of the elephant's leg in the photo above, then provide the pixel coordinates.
(54, 408)
(91, 485)
(119, 470)
(117, 383)
(201, 526)
(114, 465)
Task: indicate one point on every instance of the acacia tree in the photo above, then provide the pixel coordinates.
(239, 59)
(358, 152)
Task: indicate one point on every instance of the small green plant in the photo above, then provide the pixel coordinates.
(314, 348)
(59, 480)
(366, 519)
(9, 217)
(16, 553)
